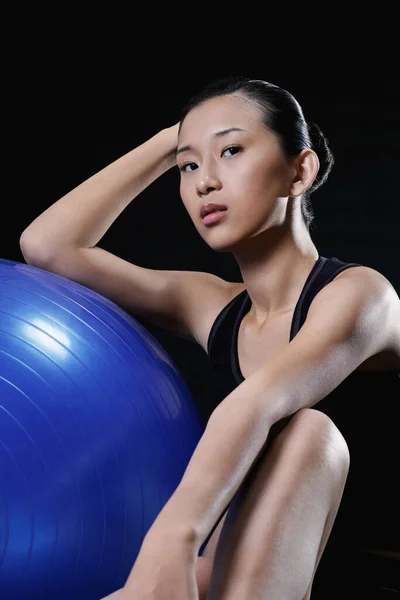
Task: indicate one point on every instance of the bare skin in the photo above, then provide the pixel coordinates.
(302, 473)
(292, 493)
(265, 231)
(264, 228)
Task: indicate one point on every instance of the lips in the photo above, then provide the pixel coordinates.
(206, 209)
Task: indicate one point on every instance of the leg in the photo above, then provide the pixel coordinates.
(280, 519)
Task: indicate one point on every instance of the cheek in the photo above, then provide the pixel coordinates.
(251, 179)
(258, 188)
(269, 177)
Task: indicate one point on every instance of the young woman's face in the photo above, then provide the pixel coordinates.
(243, 168)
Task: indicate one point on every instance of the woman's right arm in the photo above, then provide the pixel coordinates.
(82, 217)
(63, 240)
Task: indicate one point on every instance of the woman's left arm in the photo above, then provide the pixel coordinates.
(350, 320)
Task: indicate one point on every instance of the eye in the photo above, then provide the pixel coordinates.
(183, 167)
(235, 149)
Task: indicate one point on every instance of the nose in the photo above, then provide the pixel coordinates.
(207, 182)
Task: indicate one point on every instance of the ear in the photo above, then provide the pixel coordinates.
(306, 165)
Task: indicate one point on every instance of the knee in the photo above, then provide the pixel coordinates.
(323, 440)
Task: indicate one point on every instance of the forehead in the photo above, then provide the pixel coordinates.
(219, 113)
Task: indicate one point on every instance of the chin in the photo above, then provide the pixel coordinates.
(222, 244)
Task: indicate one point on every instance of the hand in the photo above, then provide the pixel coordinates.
(162, 572)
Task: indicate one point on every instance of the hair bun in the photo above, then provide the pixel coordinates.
(320, 145)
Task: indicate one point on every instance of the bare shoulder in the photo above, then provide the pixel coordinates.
(366, 273)
(202, 296)
(372, 283)
(367, 283)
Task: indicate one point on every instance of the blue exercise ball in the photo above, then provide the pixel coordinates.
(97, 427)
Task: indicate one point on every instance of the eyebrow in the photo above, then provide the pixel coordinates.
(217, 134)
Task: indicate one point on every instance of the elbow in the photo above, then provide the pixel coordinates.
(32, 250)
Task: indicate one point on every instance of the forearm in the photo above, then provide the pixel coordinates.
(235, 436)
(82, 217)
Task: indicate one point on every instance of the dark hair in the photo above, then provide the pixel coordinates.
(283, 115)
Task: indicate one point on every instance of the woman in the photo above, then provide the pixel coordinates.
(305, 354)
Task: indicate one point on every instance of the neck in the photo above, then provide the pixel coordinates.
(274, 266)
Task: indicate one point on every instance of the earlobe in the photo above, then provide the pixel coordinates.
(307, 166)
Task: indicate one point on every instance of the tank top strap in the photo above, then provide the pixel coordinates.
(227, 316)
(324, 271)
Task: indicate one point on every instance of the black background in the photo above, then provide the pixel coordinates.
(78, 92)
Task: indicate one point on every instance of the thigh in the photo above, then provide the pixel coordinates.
(292, 455)
(279, 433)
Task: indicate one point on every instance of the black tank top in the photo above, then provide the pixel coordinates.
(363, 407)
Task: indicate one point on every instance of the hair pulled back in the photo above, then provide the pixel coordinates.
(283, 115)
